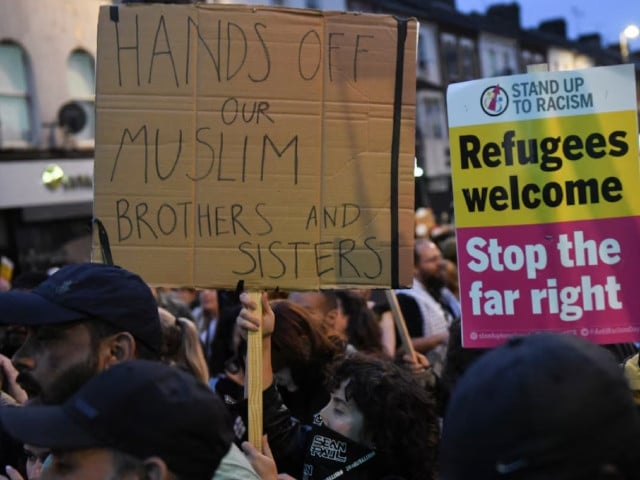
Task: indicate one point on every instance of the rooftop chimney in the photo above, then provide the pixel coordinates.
(556, 26)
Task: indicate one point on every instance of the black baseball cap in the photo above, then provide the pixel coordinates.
(139, 407)
(88, 291)
(539, 407)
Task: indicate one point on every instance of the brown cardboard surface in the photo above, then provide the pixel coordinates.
(254, 143)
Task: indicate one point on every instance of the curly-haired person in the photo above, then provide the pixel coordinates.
(379, 422)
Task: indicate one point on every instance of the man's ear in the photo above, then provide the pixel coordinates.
(117, 348)
(156, 469)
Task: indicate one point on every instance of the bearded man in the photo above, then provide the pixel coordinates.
(428, 307)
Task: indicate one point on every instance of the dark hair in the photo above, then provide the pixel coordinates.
(124, 463)
(99, 329)
(28, 280)
(398, 414)
(295, 341)
(417, 247)
(223, 352)
(458, 360)
(299, 344)
(363, 329)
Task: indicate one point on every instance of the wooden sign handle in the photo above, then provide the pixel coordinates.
(400, 323)
(254, 377)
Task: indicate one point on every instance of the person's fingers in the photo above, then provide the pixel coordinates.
(266, 305)
(13, 473)
(248, 449)
(246, 301)
(247, 320)
(422, 359)
(247, 324)
(266, 449)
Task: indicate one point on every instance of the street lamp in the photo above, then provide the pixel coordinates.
(629, 33)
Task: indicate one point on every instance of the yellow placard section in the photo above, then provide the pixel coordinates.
(546, 170)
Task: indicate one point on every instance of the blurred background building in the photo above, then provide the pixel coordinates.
(47, 84)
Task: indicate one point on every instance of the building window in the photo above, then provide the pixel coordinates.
(423, 55)
(459, 58)
(493, 62)
(16, 122)
(506, 62)
(467, 59)
(530, 58)
(313, 4)
(430, 117)
(450, 54)
(81, 79)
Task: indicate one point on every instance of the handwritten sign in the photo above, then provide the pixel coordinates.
(268, 145)
(546, 177)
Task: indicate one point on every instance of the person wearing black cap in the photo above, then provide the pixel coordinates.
(546, 406)
(136, 420)
(81, 321)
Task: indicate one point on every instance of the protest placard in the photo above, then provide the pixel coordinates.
(269, 145)
(546, 175)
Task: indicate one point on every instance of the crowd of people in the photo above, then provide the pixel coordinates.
(105, 377)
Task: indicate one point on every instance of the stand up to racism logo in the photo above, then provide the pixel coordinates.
(494, 100)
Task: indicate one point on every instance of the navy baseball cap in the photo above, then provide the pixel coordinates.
(139, 407)
(539, 407)
(88, 291)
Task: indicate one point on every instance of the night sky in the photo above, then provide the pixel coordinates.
(582, 16)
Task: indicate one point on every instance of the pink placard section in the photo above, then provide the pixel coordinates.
(573, 277)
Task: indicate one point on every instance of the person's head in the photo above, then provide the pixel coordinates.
(209, 302)
(451, 277)
(138, 419)
(35, 458)
(80, 321)
(12, 336)
(181, 345)
(428, 264)
(297, 342)
(170, 300)
(539, 407)
(449, 248)
(360, 326)
(321, 306)
(378, 403)
(189, 295)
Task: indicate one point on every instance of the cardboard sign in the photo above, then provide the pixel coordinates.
(268, 145)
(546, 175)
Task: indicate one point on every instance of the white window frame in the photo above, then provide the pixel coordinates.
(22, 89)
(86, 98)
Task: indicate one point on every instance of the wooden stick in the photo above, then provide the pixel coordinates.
(254, 377)
(400, 323)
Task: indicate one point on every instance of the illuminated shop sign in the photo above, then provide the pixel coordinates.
(53, 177)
